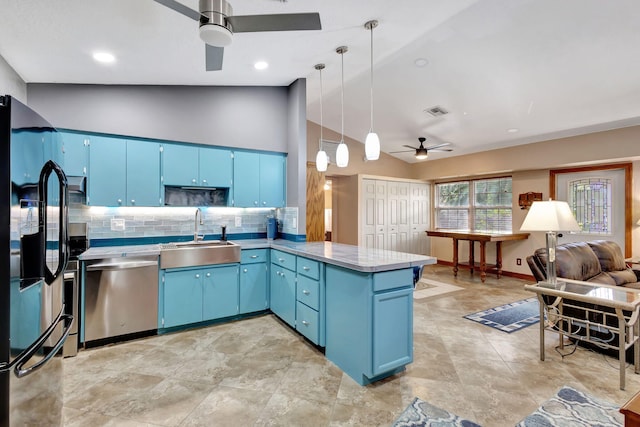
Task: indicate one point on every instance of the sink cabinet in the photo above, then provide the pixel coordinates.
(254, 280)
(192, 295)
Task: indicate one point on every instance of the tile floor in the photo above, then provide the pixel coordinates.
(258, 372)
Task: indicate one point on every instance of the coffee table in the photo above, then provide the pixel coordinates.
(623, 304)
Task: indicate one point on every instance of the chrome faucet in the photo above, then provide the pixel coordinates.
(196, 236)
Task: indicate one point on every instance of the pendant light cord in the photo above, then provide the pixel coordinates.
(320, 109)
(371, 98)
(342, 97)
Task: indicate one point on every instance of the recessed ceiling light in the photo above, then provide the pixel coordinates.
(513, 130)
(104, 57)
(420, 62)
(261, 65)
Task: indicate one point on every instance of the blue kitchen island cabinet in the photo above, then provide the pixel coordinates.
(369, 322)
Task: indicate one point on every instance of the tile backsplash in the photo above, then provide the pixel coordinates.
(140, 222)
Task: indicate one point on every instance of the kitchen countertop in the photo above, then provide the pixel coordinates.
(348, 256)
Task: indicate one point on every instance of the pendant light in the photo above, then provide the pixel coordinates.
(372, 142)
(321, 158)
(342, 153)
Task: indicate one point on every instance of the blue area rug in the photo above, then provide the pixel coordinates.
(570, 407)
(423, 414)
(509, 317)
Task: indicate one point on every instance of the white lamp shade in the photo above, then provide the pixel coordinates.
(551, 215)
(372, 146)
(342, 155)
(215, 35)
(322, 161)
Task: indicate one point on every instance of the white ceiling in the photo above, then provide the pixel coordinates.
(546, 67)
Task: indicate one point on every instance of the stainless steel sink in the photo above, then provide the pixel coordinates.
(204, 252)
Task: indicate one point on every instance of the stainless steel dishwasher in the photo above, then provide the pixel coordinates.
(121, 296)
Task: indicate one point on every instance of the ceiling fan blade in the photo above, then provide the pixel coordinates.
(408, 146)
(403, 151)
(180, 8)
(437, 146)
(277, 22)
(213, 57)
(439, 149)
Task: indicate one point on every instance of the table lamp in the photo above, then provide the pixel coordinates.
(550, 216)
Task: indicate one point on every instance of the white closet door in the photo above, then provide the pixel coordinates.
(420, 218)
(404, 217)
(381, 215)
(368, 214)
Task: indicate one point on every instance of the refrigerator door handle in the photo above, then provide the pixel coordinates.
(63, 238)
(29, 352)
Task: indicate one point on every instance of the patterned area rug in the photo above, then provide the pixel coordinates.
(509, 317)
(421, 413)
(426, 288)
(570, 407)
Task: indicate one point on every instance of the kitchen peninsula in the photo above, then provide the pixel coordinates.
(354, 303)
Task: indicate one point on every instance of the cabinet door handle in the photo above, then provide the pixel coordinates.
(306, 268)
(119, 201)
(264, 203)
(133, 201)
(254, 256)
(255, 202)
(280, 259)
(208, 274)
(305, 323)
(204, 181)
(197, 276)
(193, 181)
(245, 270)
(306, 292)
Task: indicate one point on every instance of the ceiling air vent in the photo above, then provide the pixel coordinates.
(436, 111)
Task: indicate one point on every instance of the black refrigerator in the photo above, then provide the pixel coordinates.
(33, 257)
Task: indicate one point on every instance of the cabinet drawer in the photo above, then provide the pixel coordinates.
(283, 259)
(392, 279)
(308, 267)
(251, 256)
(307, 322)
(308, 292)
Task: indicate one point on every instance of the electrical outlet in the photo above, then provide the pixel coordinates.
(117, 224)
(519, 261)
(238, 221)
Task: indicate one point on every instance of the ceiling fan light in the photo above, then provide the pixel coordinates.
(421, 154)
(342, 155)
(322, 161)
(215, 35)
(372, 146)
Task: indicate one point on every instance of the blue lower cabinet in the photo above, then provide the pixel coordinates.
(283, 293)
(369, 333)
(308, 322)
(220, 292)
(182, 298)
(193, 295)
(253, 287)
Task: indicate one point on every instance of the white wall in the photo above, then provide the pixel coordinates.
(11, 83)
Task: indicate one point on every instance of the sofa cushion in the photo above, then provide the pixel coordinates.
(609, 254)
(576, 261)
(622, 277)
(603, 278)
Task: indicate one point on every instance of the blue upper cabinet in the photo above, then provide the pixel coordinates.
(75, 151)
(185, 165)
(143, 173)
(107, 171)
(215, 167)
(272, 180)
(179, 165)
(246, 178)
(27, 155)
(123, 172)
(258, 179)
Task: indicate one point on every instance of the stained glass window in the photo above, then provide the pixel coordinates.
(590, 201)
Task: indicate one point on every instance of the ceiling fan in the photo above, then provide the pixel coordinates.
(422, 152)
(217, 25)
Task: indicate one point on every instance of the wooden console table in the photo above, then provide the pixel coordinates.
(482, 238)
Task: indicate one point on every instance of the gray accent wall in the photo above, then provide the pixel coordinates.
(245, 117)
(297, 149)
(11, 83)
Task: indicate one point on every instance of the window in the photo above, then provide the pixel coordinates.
(590, 201)
(480, 205)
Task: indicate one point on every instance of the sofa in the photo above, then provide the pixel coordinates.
(599, 261)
